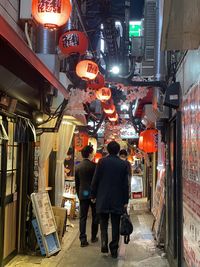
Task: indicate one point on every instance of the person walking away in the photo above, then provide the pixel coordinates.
(83, 178)
(124, 155)
(111, 193)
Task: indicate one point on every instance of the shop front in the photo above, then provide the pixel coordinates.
(24, 80)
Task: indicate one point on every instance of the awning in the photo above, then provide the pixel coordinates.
(29, 58)
(181, 22)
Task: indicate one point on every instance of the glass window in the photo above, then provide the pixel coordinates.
(12, 148)
(15, 157)
(14, 185)
(9, 177)
(10, 132)
(9, 157)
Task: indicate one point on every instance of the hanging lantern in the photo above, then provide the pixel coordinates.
(103, 94)
(81, 140)
(141, 141)
(108, 108)
(97, 83)
(97, 157)
(87, 69)
(72, 42)
(150, 140)
(51, 14)
(113, 117)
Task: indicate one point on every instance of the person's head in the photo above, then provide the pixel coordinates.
(113, 148)
(69, 154)
(87, 152)
(123, 154)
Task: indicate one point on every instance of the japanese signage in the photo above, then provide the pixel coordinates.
(49, 6)
(135, 28)
(70, 40)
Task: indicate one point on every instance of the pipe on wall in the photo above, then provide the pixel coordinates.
(46, 40)
(160, 68)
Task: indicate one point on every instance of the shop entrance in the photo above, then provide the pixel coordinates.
(174, 194)
(9, 194)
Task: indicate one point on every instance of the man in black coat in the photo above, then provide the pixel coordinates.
(110, 190)
(83, 178)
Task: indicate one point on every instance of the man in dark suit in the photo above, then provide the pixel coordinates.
(83, 178)
(110, 190)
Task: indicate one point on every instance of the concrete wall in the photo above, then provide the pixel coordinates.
(189, 71)
(9, 10)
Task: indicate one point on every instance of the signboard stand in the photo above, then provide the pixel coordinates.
(46, 224)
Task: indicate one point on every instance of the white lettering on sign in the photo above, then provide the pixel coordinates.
(173, 97)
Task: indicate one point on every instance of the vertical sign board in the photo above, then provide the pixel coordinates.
(159, 196)
(191, 175)
(46, 223)
(135, 28)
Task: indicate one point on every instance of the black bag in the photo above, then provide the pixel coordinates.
(126, 227)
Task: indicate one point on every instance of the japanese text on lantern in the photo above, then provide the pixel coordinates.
(49, 6)
(70, 40)
(92, 68)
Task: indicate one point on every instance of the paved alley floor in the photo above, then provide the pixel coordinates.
(140, 252)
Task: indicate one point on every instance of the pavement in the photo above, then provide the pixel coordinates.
(140, 252)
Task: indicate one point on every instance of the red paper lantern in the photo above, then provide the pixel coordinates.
(113, 117)
(97, 83)
(150, 140)
(103, 94)
(51, 14)
(108, 108)
(81, 140)
(73, 42)
(141, 141)
(97, 157)
(87, 69)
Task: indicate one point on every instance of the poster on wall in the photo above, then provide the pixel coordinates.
(191, 175)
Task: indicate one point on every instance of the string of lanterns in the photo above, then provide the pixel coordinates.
(53, 14)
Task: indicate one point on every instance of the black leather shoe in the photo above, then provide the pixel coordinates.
(114, 255)
(94, 240)
(104, 249)
(84, 244)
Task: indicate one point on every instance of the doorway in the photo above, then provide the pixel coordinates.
(9, 181)
(174, 193)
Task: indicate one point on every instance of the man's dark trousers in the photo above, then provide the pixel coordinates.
(115, 221)
(84, 207)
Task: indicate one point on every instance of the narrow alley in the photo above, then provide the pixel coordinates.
(140, 252)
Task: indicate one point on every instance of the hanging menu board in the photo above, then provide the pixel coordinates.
(46, 223)
(191, 175)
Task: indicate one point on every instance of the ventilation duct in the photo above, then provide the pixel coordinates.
(149, 37)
